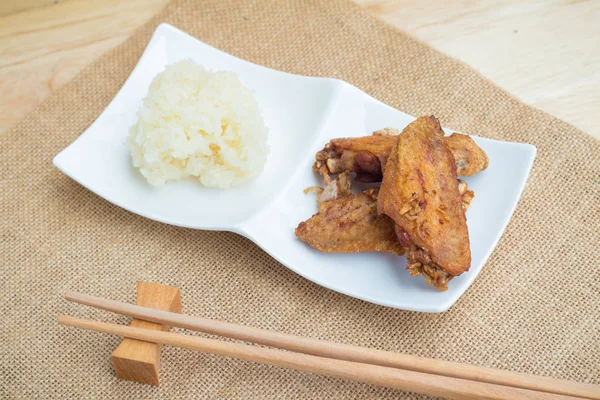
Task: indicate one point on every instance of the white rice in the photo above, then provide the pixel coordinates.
(198, 123)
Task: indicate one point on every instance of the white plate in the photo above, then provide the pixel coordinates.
(302, 113)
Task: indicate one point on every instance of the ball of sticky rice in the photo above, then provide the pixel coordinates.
(198, 123)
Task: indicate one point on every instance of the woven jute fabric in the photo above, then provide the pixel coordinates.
(534, 308)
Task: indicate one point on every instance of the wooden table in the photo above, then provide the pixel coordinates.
(546, 53)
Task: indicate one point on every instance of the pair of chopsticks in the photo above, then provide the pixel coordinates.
(383, 368)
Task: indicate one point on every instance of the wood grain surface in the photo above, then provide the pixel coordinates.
(545, 53)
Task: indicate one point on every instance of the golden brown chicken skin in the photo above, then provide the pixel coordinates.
(350, 223)
(420, 193)
(470, 158)
(367, 156)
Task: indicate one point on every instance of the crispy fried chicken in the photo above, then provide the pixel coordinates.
(349, 222)
(367, 156)
(420, 193)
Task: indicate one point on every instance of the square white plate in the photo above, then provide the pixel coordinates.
(302, 113)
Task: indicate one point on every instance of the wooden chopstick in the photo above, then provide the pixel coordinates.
(433, 385)
(342, 351)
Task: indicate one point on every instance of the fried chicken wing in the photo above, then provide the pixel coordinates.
(420, 193)
(367, 156)
(350, 223)
(470, 158)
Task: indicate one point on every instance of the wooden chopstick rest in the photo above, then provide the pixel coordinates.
(136, 360)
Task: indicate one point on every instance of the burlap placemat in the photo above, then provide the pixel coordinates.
(534, 308)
